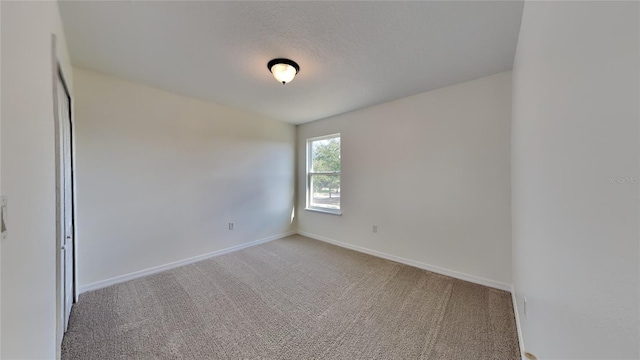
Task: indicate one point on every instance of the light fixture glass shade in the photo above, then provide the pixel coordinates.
(283, 72)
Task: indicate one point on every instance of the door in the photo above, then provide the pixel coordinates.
(66, 189)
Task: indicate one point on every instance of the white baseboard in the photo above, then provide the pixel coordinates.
(420, 265)
(519, 329)
(156, 269)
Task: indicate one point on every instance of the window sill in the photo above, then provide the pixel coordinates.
(325, 211)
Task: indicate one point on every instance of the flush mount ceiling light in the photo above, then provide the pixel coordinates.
(284, 70)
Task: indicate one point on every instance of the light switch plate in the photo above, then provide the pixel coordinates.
(3, 216)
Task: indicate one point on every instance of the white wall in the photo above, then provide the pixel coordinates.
(28, 304)
(0, 188)
(432, 171)
(575, 179)
(160, 176)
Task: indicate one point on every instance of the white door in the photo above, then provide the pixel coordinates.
(67, 201)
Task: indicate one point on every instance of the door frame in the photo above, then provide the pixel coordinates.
(58, 75)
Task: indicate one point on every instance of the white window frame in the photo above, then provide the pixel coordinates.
(310, 173)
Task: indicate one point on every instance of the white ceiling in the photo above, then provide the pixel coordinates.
(351, 54)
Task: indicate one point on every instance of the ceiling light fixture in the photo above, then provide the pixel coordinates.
(284, 70)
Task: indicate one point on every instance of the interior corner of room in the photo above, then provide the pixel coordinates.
(504, 152)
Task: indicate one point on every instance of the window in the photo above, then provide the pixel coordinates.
(323, 174)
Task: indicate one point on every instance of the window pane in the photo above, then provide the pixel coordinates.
(325, 191)
(325, 155)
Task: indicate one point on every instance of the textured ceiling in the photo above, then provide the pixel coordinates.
(351, 54)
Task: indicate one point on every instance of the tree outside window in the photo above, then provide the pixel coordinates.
(323, 187)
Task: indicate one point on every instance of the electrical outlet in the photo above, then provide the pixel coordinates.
(375, 229)
(231, 225)
(524, 307)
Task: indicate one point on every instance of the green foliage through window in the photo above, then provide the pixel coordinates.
(324, 172)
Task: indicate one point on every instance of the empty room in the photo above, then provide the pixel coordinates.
(320, 180)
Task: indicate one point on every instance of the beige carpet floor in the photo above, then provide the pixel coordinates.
(293, 298)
